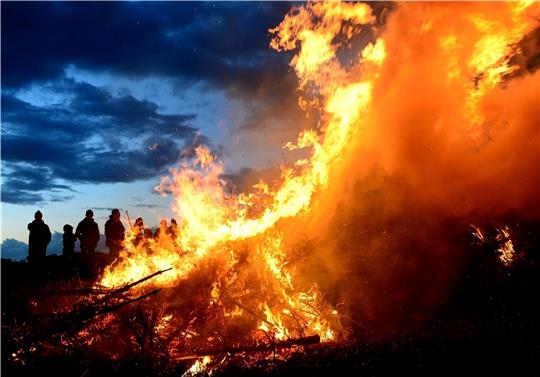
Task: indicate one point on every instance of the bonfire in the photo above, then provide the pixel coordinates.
(427, 92)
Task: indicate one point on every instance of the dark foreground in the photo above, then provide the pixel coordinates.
(494, 344)
(489, 327)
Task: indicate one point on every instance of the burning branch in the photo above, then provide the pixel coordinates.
(48, 327)
(274, 346)
(137, 282)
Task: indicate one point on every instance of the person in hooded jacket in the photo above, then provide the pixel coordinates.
(88, 234)
(114, 233)
(68, 241)
(38, 239)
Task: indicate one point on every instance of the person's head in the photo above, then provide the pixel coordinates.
(38, 215)
(89, 214)
(115, 214)
(139, 221)
(68, 228)
(173, 222)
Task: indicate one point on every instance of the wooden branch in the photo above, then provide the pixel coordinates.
(105, 291)
(77, 292)
(304, 341)
(112, 308)
(77, 318)
(131, 285)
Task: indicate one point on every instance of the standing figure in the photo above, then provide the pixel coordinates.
(163, 229)
(138, 231)
(88, 234)
(68, 241)
(38, 239)
(114, 231)
(173, 229)
(147, 234)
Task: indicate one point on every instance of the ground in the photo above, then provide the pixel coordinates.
(489, 326)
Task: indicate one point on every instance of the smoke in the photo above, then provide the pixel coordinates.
(440, 147)
(265, 118)
(421, 131)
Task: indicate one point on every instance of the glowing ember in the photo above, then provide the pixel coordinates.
(502, 241)
(477, 232)
(506, 250)
(198, 367)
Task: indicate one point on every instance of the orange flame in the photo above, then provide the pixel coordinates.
(215, 224)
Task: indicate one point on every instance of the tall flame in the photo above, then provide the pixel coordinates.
(216, 226)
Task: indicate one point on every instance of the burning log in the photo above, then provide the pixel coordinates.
(274, 346)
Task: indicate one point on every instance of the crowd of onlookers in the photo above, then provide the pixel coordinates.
(87, 233)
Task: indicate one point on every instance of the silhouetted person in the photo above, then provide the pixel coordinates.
(147, 233)
(138, 230)
(88, 234)
(173, 229)
(68, 241)
(162, 230)
(114, 231)
(38, 239)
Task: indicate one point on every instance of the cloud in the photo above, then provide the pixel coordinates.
(149, 206)
(26, 184)
(77, 132)
(20, 197)
(126, 113)
(93, 138)
(108, 209)
(246, 178)
(200, 41)
(61, 198)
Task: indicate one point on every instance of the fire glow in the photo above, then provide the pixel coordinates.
(240, 243)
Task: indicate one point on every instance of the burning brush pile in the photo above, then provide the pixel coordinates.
(426, 133)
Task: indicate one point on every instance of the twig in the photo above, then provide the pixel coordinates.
(257, 315)
(78, 292)
(78, 317)
(112, 308)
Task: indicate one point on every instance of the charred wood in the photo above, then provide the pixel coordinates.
(274, 346)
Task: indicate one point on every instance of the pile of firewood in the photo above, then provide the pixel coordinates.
(120, 324)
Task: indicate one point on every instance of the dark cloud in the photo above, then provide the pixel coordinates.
(222, 43)
(90, 111)
(91, 135)
(246, 178)
(86, 165)
(61, 198)
(149, 206)
(126, 113)
(31, 149)
(20, 197)
(27, 184)
(93, 138)
(108, 209)
(19, 117)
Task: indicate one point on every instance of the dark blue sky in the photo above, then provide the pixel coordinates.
(98, 94)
